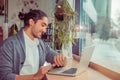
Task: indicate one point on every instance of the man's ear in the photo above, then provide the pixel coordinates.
(31, 22)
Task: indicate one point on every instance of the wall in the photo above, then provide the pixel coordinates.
(13, 9)
(1, 20)
(48, 7)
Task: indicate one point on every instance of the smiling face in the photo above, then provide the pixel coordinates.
(38, 28)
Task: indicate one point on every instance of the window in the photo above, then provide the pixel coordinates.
(101, 18)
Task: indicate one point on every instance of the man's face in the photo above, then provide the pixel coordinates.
(39, 27)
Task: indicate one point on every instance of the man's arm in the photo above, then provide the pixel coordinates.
(6, 72)
(6, 66)
(38, 76)
(55, 58)
(50, 53)
(6, 63)
(24, 77)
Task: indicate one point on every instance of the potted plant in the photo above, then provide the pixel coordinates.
(63, 25)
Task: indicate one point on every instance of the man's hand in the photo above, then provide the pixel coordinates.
(59, 60)
(41, 73)
(38, 76)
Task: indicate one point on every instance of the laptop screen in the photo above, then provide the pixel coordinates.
(84, 58)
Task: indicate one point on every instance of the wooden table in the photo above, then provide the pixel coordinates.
(89, 74)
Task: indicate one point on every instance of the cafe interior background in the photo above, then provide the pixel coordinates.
(97, 22)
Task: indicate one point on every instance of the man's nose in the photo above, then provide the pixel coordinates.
(44, 30)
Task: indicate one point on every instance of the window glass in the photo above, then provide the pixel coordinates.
(100, 25)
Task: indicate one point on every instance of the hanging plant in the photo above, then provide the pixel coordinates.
(64, 24)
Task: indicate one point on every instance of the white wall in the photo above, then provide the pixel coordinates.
(48, 7)
(13, 9)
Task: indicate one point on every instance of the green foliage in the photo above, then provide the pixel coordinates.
(64, 29)
(63, 33)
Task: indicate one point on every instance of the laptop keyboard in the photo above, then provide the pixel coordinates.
(58, 69)
(65, 70)
(70, 71)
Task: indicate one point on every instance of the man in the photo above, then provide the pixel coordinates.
(23, 55)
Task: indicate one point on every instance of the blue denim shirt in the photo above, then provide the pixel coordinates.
(12, 55)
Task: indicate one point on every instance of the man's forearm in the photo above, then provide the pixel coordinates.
(25, 77)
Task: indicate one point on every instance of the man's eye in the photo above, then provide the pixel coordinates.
(43, 25)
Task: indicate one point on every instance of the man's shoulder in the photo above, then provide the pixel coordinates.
(9, 40)
(41, 41)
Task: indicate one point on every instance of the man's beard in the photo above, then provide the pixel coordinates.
(37, 36)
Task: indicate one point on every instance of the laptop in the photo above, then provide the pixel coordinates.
(80, 66)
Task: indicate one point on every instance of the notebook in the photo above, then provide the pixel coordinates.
(82, 65)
